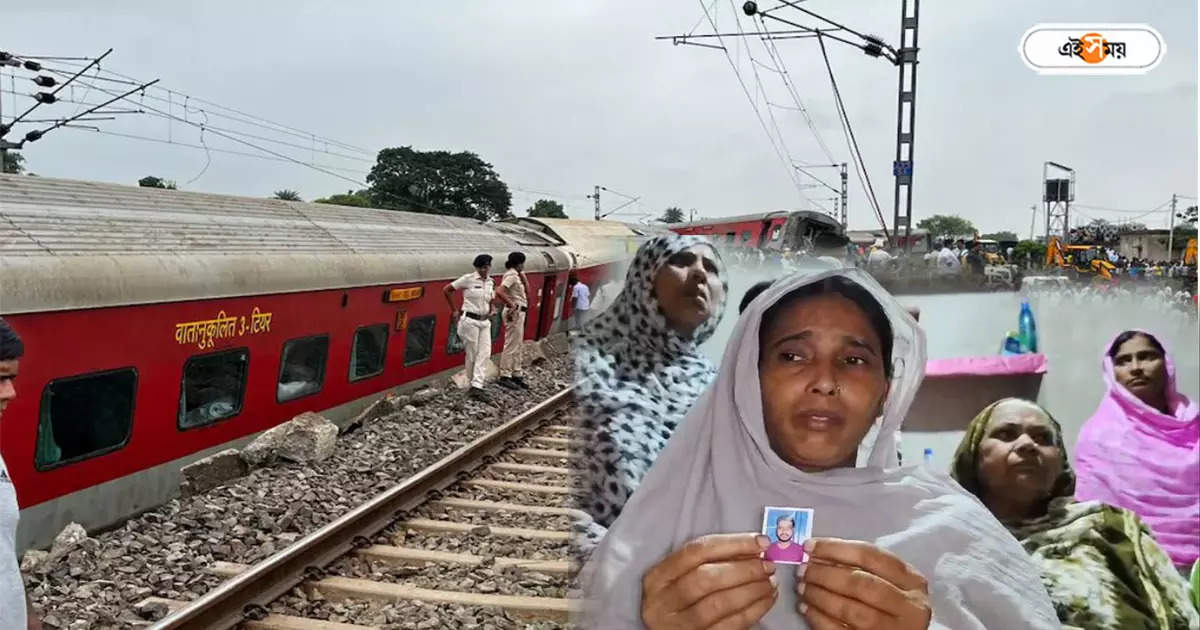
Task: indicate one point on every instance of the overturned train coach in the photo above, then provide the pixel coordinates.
(162, 326)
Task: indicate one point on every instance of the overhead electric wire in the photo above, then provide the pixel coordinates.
(82, 103)
(843, 27)
(818, 179)
(171, 104)
(777, 59)
(287, 157)
(860, 166)
(770, 113)
(131, 136)
(547, 193)
(712, 5)
(1104, 209)
(753, 104)
(39, 101)
(261, 122)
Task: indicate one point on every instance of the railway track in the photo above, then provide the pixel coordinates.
(484, 528)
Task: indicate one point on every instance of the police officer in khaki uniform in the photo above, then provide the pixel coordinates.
(514, 291)
(474, 320)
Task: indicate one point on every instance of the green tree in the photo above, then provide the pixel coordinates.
(1003, 235)
(1030, 250)
(672, 215)
(1188, 216)
(151, 181)
(14, 163)
(943, 225)
(438, 182)
(547, 209)
(359, 199)
(287, 195)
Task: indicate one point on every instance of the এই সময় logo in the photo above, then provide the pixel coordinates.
(1092, 48)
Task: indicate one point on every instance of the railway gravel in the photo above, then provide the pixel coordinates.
(509, 496)
(166, 552)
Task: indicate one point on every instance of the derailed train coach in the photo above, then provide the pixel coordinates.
(162, 326)
(778, 230)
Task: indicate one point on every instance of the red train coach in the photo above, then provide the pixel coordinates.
(161, 326)
(769, 230)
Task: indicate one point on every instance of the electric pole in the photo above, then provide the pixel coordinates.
(904, 58)
(840, 212)
(596, 197)
(842, 207)
(903, 166)
(1171, 230)
(6, 60)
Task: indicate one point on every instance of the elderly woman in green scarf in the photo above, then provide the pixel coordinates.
(1100, 564)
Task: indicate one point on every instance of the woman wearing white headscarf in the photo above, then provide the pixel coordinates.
(813, 364)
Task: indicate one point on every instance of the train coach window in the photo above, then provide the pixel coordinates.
(370, 347)
(214, 386)
(747, 236)
(776, 232)
(302, 368)
(418, 342)
(85, 416)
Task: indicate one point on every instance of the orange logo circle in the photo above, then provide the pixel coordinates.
(1091, 48)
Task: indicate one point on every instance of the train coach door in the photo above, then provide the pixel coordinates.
(546, 307)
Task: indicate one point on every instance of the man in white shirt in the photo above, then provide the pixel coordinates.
(474, 320)
(931, 256)
(878, 258)
(16, 611)
(514, 291)
(581, 301)
(948, 263)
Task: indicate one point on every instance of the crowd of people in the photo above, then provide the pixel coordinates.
(681, 457)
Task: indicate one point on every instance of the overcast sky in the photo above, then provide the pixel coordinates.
(561, 95)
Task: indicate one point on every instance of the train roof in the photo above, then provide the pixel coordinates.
(819, 217)
(734, 219)
(68, 244)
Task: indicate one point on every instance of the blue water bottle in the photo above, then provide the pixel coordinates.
(1028, 328)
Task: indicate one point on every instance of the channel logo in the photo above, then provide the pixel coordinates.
(1092, 49)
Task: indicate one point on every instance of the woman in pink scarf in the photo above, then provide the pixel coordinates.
(1141, 449)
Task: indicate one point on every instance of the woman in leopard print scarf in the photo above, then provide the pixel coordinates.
(641, 369)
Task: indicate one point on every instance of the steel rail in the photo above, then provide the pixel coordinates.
(246, 596)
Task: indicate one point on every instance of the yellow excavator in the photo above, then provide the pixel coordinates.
(1082, 260)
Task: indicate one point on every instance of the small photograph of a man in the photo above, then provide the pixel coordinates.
(787, 528)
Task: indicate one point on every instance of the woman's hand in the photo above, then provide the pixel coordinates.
(852, 584)
(716, 582)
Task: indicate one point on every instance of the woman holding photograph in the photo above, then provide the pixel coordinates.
(812, 365)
